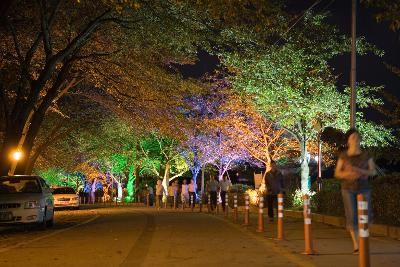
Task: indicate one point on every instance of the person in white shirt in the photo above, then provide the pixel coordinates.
(159, 193)
(224, 186)
(192, 193)
(185, 193)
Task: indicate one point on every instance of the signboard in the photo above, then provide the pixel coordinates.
(257, 180)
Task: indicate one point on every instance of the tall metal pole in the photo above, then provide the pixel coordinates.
(319, 161)
(353, 66)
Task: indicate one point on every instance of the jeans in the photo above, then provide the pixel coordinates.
(213, 196)
(223, 198)
(192, 198)
(272, 202)
(350, 207)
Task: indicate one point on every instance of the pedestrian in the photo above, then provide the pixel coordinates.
(224, 186)
(212, 188)
(192, 193)
(151, 195)
(171, 192)
(185, 193)
(353, 168)
(176, 193)
(274, 185)
(159, 194)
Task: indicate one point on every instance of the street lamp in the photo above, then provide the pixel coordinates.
(16, 156)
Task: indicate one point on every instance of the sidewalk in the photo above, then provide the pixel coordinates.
(332, 244)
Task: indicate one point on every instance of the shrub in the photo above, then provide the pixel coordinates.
(329, 200)
(239, 188)
(385, 199)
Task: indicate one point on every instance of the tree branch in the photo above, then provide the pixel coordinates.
(15, 40)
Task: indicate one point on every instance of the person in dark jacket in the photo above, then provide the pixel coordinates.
(274, 184)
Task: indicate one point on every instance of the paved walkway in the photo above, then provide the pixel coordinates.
(138, 236)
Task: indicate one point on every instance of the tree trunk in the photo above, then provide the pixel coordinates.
(305, 170)
(202, 178)
(130, 183)
(195, 173)
(136, 174)
(165, 181)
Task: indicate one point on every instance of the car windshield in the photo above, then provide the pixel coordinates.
(63, 190)
(11, 185)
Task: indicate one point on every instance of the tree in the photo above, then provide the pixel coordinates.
(389, 11)
(261, 138)
(293, 86)
(162, 158)
(58, 44)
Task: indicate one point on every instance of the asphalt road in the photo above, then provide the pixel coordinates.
(128, 236)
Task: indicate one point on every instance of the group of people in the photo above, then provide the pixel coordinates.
(186, 191)
(353, 168)
(214, 186)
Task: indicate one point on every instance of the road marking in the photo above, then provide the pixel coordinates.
(2, 250)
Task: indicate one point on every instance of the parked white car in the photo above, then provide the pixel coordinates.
(26, 199)
(65, 197)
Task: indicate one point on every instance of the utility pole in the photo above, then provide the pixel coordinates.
(353, 80)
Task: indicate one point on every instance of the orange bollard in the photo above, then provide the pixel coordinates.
(226, 204)
(280, 217)
(260, 227)
(364, 255)
(235, 208)
(246, 209)
(308, 250)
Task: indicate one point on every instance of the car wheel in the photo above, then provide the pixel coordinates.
(50, 223)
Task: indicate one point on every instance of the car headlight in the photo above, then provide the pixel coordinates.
(31, 204)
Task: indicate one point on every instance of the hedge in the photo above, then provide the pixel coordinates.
(328, 201)
(385, 199)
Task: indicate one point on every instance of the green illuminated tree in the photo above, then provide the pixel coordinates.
(292, 85)
(162, 158)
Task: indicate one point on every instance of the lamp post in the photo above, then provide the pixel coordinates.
(353, 82)
(319, 179)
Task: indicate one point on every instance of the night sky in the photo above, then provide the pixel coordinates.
(370, 68)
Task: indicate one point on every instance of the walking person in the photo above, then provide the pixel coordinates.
(353, 168)
(159, 194)
(212, 188)
(171, 194)
(224, 186)
(176, 193)
(274, 184)
(151, 195)
(185, 193)
(192, 193)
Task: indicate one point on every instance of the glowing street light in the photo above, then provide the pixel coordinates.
(17, 155)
